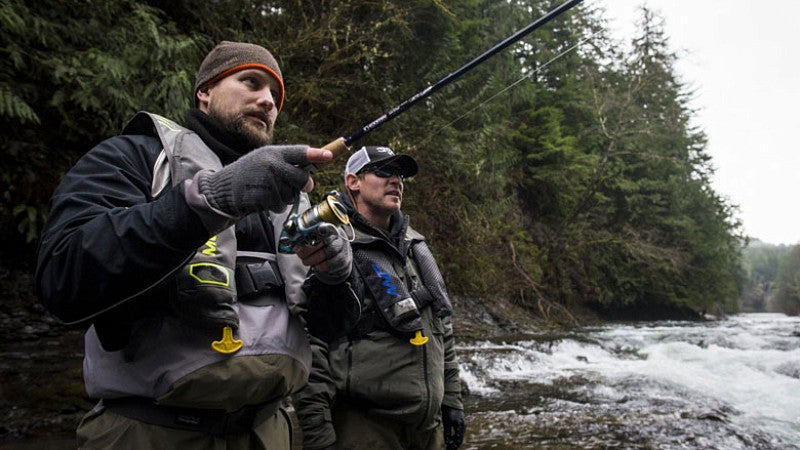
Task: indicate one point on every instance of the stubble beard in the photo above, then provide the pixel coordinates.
(241, 125)
(384, 207)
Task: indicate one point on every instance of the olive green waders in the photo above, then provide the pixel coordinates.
(357, 430)
(107, 430)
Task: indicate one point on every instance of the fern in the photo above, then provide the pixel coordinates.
(13, 108)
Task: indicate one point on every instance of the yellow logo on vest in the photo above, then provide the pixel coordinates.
(210, 273)
(211, 247)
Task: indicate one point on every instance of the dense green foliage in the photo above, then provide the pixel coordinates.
(557, 180)
(787, 283)
(773, 278)
(761, 264)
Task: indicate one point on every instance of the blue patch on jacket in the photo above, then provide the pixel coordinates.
(391, 289)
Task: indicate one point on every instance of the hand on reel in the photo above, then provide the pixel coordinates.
(311, 226)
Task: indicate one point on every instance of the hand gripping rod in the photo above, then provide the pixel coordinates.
(342, 145)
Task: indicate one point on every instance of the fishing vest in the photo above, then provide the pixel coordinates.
(399, 288)
(186, 359)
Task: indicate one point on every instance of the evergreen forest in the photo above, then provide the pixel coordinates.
(564, 174)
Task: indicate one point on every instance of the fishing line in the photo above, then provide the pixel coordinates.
(539, 69)
(342, 145)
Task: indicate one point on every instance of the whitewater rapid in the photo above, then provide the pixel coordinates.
(727, 384)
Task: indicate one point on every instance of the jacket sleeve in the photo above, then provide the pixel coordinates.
(313, 403)
(452, 379)
(106, 239)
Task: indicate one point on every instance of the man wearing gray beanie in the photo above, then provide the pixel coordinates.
(162, 241)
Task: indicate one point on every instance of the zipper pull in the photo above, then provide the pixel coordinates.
(228, 344)
(418, 339)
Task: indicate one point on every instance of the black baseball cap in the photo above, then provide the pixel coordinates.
(372, 156)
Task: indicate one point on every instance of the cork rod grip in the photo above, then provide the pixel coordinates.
(337, 147)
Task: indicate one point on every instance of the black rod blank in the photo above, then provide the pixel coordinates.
(397, 110)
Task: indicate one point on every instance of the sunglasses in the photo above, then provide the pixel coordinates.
(385, 172)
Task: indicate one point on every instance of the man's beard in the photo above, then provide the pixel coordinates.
(241, 126)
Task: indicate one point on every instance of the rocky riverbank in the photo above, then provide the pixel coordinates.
(41, 386)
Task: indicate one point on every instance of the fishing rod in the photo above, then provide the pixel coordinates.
(342, 145)
(311, 225)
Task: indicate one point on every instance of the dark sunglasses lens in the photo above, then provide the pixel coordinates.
(387, 172)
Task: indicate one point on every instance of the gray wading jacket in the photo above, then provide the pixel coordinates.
(111, 236)
(374, 368)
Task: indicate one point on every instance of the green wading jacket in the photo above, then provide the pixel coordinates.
(373, 367)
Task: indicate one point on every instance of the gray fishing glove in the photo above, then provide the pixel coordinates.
(339, 257)
(266, 178)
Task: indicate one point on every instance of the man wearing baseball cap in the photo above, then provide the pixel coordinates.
(392, 382)
(163, 242)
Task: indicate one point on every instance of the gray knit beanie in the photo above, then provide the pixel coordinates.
(230, 57)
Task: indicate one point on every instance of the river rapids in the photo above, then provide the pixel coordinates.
(728, 384)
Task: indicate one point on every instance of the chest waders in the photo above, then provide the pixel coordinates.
(205, 287)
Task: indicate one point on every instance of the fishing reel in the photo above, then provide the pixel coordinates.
(309, 227)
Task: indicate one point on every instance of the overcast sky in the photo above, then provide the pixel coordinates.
(743, 61)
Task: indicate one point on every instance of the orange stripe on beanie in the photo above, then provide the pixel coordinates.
(230, 57)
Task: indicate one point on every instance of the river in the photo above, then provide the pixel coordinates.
(728, 384)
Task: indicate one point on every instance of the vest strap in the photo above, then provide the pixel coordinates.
(205, 285)
(253, 278)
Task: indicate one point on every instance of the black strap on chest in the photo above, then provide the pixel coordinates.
(432, 288)
(257, 273)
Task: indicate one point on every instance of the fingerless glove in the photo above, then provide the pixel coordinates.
(267, 178)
